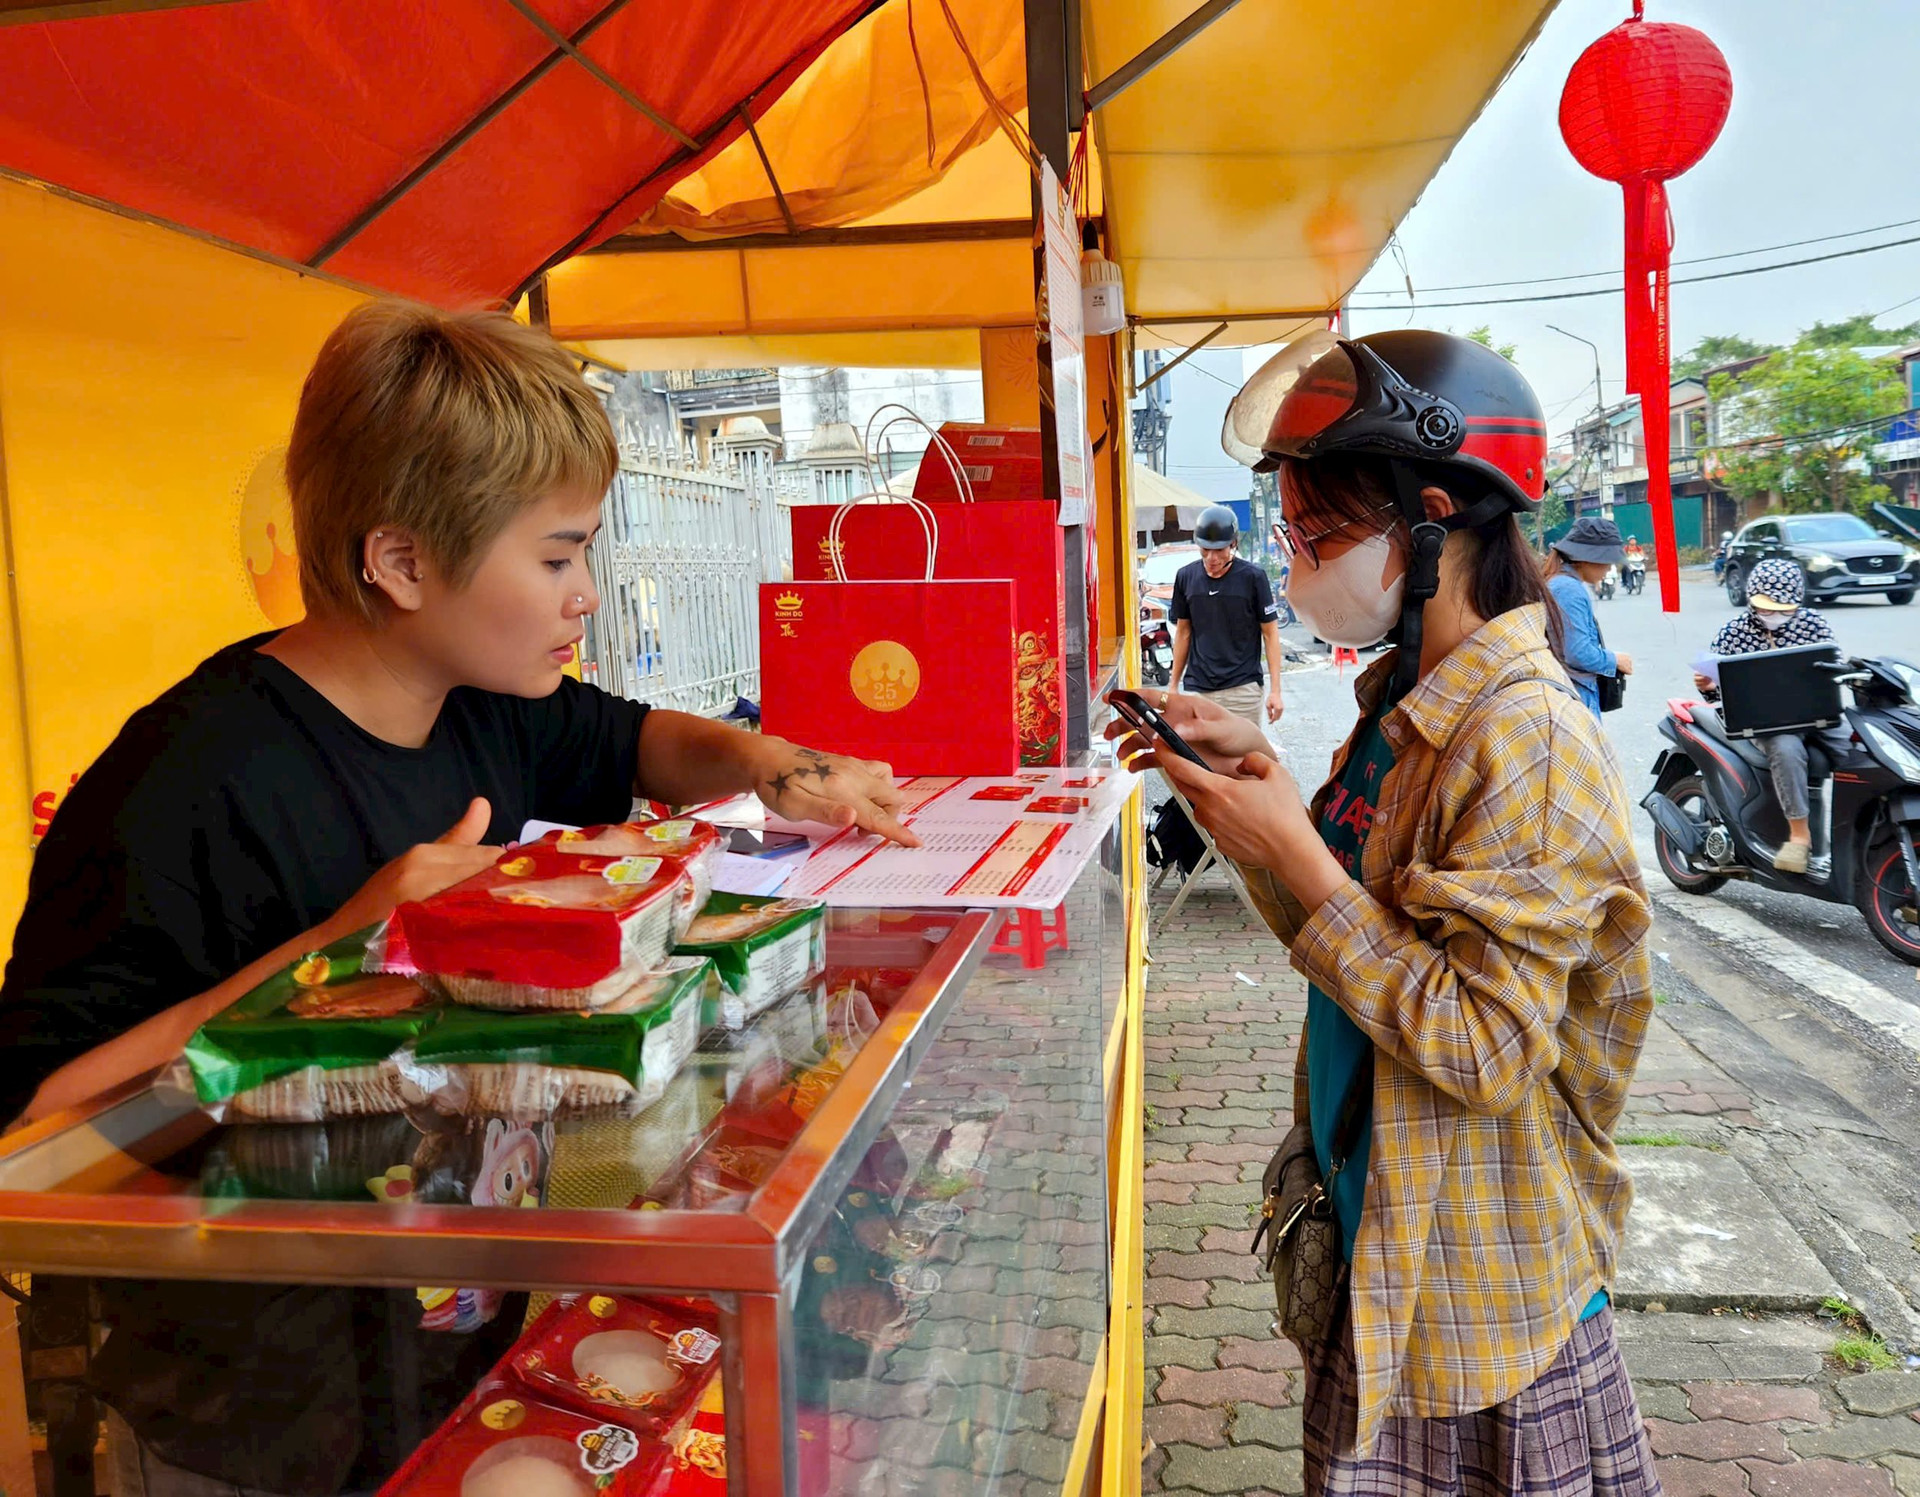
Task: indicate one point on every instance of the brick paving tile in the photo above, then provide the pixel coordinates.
(1254, 1424)
(1906, 1473)
(1189, 1292)
(1194, 1171)
(1861, 1439)
(1661, 1401)
(1186, 1424)
(1878, 1393)
(1198, 1353)
(1682, 1477)
(1241, 1266)
(1226, 1385)
(1167, 1192)
(1269, 1353)
(1819, 1479)
(1751, 1404)
(1718, 1440)
(1236, 1469)
(1229, 1239)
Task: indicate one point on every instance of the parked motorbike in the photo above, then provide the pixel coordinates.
(1156, 651)
(1633, 577)
(1605, 587)
(1716, 817)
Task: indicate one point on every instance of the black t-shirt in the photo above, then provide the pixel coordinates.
(234, 812)
(1225, 616)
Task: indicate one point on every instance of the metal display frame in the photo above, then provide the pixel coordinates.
(747, 1263)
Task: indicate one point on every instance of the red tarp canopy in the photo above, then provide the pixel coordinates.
(444, 149)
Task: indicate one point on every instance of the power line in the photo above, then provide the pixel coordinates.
(1588, 275)
(1694, 280)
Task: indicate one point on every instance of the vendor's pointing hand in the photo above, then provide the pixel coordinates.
(803, 784)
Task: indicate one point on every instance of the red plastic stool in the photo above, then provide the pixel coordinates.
(1344, 657)
(1031, 934)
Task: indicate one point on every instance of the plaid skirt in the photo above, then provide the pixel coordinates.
(1575, 1431)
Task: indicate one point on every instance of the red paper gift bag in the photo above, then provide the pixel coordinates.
(920, 674)
(1018, 539)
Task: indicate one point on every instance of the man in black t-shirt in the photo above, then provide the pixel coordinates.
(1224, 617)
(446, 473)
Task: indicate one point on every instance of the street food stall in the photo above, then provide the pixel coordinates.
(929, 1276)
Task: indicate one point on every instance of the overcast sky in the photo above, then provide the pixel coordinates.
(1824, 138)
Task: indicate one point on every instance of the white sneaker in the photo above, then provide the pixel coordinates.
(1792, 857)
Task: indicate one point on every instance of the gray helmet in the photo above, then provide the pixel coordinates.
(1216, 529)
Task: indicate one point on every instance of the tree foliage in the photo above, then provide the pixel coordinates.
(1858, 332)
(1802, 424)
(1717, 349)
(1483, 335)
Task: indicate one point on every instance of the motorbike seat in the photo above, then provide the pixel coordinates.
(1820, 764)
(1707, 719)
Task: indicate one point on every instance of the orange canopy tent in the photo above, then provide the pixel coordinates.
(378, 140)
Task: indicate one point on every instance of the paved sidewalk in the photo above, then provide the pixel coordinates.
(1736, 1403)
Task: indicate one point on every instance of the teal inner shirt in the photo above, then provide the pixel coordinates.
(1336, 1045)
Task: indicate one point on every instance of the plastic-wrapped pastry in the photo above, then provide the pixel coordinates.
(764, 948)
(314, 1041)
(549, 926)
(536, 1065)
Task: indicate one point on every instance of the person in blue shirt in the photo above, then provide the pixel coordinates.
(1574, 563)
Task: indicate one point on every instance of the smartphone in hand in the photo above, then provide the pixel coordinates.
(1145, 719)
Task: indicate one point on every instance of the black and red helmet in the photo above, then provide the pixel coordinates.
(1416, 396)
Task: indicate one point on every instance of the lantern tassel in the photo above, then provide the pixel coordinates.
(1649, 251)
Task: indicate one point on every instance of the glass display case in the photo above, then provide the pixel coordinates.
(888, 1196)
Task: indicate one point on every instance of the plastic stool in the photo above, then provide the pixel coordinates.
(1031, 934)
(1344, 657)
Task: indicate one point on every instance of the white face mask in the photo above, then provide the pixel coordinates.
(1773, 623)
(1347, 600)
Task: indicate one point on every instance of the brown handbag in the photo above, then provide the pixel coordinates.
(1298, 1222)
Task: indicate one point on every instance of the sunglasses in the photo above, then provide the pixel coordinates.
(1304, 543)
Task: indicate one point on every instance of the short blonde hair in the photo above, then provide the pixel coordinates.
(444, 424)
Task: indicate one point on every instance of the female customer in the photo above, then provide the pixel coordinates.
(1463, 898)
(446, 474)
(1574, 563)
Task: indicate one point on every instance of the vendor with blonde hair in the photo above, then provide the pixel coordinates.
(446, 472)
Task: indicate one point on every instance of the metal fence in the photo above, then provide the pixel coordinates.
(679, 561)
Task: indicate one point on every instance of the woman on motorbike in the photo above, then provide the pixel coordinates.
(1574, 563)
(1775, 620)
(1463, 897)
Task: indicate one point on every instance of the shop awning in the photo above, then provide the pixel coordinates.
(447, 149)
(1251, 177)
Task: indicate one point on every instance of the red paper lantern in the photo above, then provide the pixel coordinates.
(1641, 106)
(1646, 100)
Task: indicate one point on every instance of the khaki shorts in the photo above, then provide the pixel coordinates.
(1248, 701)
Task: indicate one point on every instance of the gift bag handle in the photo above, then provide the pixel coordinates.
(904, 416)
(929, 527)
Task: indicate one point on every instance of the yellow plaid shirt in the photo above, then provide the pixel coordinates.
(1493, 949)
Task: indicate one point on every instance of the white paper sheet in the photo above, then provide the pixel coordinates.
(1707, 664)
(738, 874)
(1000, 842)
